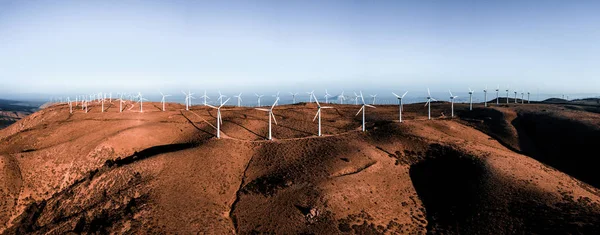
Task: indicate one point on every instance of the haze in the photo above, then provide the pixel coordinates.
(58, 47)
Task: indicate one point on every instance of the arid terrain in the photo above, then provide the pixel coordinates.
(503, 169)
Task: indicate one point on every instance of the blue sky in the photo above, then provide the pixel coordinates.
(66, 46)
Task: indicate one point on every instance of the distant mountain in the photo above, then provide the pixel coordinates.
(12, 111)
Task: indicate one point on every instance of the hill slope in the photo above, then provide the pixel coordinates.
(165, 172)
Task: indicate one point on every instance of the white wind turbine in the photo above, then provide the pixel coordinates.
(163, 101)
(293, 97)
(452, 97)
(86, 106)
(356, 98)
(327, 95)
(271, 116)
(141, 100)
(219, 118)
(429, 99)
(363, 108)
(188, 99)
(221, 96)
(205, 97)
(258, 97)
(310, 95)
(373, 96)
(342, 98)
(318, 114)
(471, 99)
(497, 97)
(400, 103)
(522, 96)
(121, 101)
(276, 95)
(485, 96)
(239, 99)
(528, 97)
(102, 101)
(70, 105)
(507, 94)
(515, 97)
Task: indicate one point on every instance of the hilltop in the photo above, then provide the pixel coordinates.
(500, 169)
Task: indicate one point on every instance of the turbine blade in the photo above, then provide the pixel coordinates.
(361, 108)
(396, 95)
(316, 100)
(316, 115)
(404, 94)
(274, 119)
(211, 106)
(266, 110)
(370, 106)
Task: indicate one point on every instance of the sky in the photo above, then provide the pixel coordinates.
(67, 47)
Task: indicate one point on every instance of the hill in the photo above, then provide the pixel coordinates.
(159, 172)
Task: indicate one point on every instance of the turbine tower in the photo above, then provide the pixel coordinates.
(515, 97)
(318, 114)
(471, 99)
(121, 101)
(452, 97)
(239, 99)
(528, 97)
(219, 118)
(400, 104)
(429, 99)
(163, 100)
(363, 108)
(271, 115)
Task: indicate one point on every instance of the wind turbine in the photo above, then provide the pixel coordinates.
(429, 99)
(356, 98)
(452, 97)
(70, 105)
(471, 99)
(319, 113)
(485, 96)
(258, 97)
(522, 96)
(373, 96)
(188, 99)
(121, 101)
(102, 100)
(205, 97)
(327, 95)
(221, 96)
(528, 97)
(141, 102)
(163, 100)
(342, 98)
(400, 103)
(219, 118)
(310, 95)
(276, 95)
(506, 94)
(515, 97)
(363, 108)
(293, 97)
(497, 97)
(270, 116)
(239, 99)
